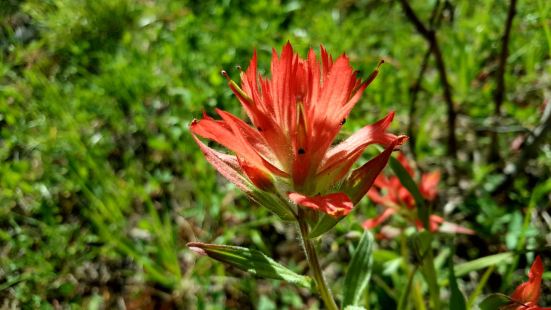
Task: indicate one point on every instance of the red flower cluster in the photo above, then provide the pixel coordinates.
(526, 295)
(391, 194)
(295, 116)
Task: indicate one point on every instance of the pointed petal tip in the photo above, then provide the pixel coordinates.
(537, 268)
(196, 247)
(288, 47)
(225, 74)
(452, 228)
(369, 224)
(400, 140)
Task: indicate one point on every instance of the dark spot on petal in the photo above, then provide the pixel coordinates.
(343, 121)
(259, 129)
(301, 151)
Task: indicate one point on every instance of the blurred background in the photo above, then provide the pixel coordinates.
(102, 185)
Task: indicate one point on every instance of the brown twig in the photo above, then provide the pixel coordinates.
(414, 91)
(499, 92)
(435, 18)
(430, 36)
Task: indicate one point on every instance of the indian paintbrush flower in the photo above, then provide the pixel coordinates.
(388, 192)
(527, 294)
(287, 151)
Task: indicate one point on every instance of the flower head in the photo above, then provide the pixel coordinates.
(527, 294)
(388, 192)
(295, 116)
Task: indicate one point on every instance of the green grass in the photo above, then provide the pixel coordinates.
(101, 184)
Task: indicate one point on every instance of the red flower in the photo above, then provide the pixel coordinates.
(526, 295)
(391, 194)
(296, 115)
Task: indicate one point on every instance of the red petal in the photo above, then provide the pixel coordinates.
(429, 185)
(362, 178)
(403, 160)
(313, 84)
(376, 221)
(330, 108)
(227, 165)
(282, 86)
(335, 92)
(225, 133)
(376, 197)
(259, 177)
(434, 222)
(530, 291)
(261, 113)
(448, 227)
(336, 205)
(237, 136)
(346, 152)
(250, 87)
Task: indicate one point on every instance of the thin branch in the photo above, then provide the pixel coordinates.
(430, 37)
(500, 78)
(499, 92)
(410, 14)
(414, 91)
(435, 18)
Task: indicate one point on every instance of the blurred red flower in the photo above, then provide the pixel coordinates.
(296, 115)
(526, 295)
(388, 192)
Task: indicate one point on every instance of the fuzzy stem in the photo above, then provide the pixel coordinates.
(314, 264)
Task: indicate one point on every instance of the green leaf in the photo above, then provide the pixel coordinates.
(354, 308)
(409, 184)
(457, 300)
(494, 302)
(482, 263)
(359, 271)
(273, 203)
(250, 260)
(324, 224)
(420, 244)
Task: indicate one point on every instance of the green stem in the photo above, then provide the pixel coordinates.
(313, 261)
(480, 286)
(405, 295)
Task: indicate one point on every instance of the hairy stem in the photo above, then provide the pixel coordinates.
(315, 267)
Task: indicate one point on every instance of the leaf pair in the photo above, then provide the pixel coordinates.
(257, 263)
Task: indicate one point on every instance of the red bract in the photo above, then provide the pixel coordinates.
(388, 192)
(527, 294)
(296, 115)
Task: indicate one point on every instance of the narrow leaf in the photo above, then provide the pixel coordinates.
(420, 244)
(359, 271)
(482, 263)
(409, 184)
(250, 260)
(494, 302)
(354, 308)
(457, 300)
(360, 180)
